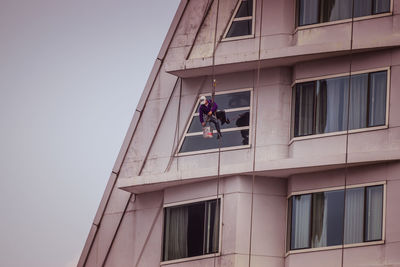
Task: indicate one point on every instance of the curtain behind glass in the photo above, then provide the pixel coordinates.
(319, 221)
(215, 225)
(301, 208)
(358, 101)
(381, 6)
(331, 105)
(308, 12)
(374, 210)
(327, 221)
(362, 8)
(354, 216)
(176, 233)
(377, 98)
(304, 112)
(332, 10)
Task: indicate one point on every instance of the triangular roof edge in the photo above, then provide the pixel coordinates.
(129, 135)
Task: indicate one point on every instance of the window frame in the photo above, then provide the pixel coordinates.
(188, 202)
(314, 79)
(322, 24)
(327, 189)
(195, 112)
(232, 19)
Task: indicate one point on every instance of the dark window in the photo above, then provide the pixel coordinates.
(240, 28)
(318, 11)
(242, 21)
(245, 9)
(234, 134)
(316, 220)
(304, 108)
(321, 106)
(191, 230)
(327, 219)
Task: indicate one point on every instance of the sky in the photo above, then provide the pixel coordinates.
(71, 74)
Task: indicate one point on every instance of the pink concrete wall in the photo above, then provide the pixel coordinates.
(287, 55)
(268, 230)
(377, 255)
(280, 37)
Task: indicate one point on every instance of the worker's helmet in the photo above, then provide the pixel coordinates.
(203, 100)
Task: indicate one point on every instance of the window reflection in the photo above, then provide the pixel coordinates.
(243, 120)
(322, 106)
(318, 11)
(236, 106)
(316, 220)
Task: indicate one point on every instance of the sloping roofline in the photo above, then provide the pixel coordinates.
(131, 130)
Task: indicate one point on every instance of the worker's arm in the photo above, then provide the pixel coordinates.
(201, 114)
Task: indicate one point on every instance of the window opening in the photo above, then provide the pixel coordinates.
(237, 106)
(319, 11)
(316, 219)
(191, 230)
(321, 106)
(241, 23)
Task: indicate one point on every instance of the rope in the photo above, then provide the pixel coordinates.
(214, 85)
(347, 133)
(215, 43)
(255, 135)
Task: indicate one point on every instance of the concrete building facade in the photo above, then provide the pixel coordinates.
(306, 174)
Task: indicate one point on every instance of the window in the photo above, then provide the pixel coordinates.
(235, 134)
(242, 22)
(321, 106)
(316, 219)
(191, 230)
(319, 11)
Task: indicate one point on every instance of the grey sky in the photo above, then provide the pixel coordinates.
(71, 73)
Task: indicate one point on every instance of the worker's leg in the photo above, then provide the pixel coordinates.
(221, 115)
(216, 123)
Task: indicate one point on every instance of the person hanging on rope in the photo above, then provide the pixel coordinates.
(208, 113)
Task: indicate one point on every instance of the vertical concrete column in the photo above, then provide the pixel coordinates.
(273, 119)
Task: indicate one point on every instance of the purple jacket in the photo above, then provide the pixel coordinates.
(203, 109)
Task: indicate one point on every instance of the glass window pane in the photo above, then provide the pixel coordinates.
(374, 210)
(308, 12)
(358, 101)
(332, 10)
(327, 221)
(198, 142)
(240, 28)
(233, 100)
(212, 227)
(377, 98)
(304, 109)
(191, 230)
(175, 233)
(300, 226)
(362, 8)
(245, 9)
(354, 216)
(195, 229)
(332, 105)
(381, 6)
(237, 119)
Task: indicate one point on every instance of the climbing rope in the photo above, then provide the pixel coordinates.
(347, 134)
(214, 85)
(256, 94)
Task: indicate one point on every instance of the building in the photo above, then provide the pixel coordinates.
(306, 174)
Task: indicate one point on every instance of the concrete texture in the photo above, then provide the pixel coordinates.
(253, 215)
